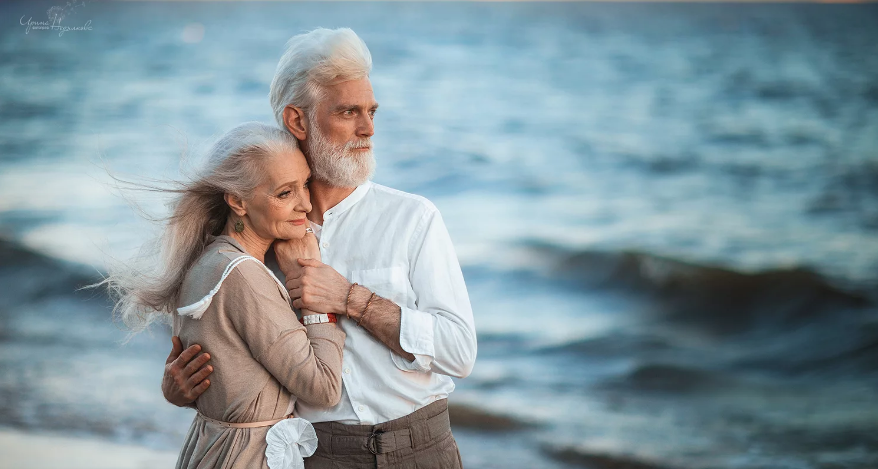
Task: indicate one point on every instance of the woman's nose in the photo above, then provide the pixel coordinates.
(304, 204)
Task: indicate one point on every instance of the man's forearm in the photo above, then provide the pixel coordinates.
(382, 319)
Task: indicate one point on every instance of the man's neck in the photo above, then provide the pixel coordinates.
(324, 197)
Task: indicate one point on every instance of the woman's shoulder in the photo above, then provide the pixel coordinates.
(226, 271)
(212, 268)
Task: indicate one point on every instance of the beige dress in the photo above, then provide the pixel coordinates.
(263, 358)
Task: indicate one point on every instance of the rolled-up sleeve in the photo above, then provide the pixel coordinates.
(440, 332)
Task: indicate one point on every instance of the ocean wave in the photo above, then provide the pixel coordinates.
(672, 378)
(722, 299)
(581, 457)
(612, 345)
(30, 276)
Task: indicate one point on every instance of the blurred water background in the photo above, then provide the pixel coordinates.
(667, 214)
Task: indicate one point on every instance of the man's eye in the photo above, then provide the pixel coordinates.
(372, 113)
(348, 112)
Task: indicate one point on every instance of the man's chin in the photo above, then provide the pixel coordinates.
(350, 169)
(349, 182)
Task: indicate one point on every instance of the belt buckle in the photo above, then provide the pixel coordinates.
(372, 443)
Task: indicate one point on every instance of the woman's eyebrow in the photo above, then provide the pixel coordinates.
(293, 182)
(284, 184)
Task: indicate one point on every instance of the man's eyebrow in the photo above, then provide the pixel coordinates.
(345, 107)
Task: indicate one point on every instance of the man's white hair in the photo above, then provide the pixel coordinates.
(314, 59)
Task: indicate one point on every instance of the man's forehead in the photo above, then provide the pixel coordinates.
(355, 92)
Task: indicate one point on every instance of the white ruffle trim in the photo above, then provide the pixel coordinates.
(289, 442)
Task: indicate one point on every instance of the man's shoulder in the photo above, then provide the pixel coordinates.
(402, 200)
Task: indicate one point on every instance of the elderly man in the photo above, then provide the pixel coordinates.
(389, 271)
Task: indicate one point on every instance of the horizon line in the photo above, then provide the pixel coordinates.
(834, 2)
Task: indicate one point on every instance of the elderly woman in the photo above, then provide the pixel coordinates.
(215, 289)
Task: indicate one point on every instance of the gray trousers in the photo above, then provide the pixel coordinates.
(420, 440)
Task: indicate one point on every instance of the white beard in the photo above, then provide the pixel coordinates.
(339, 166)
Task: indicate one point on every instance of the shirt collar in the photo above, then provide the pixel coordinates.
(348, 201)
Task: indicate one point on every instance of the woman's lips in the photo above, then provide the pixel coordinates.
(299, 222)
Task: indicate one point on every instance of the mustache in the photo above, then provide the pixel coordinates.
(362, 143)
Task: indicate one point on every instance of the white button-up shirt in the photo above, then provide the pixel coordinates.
(396, 245)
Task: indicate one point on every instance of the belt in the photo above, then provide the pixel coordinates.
(378, 441)
(264, 423)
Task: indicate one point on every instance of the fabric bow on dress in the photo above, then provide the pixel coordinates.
(289, 442)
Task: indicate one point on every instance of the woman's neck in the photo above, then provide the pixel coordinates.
(250, 241)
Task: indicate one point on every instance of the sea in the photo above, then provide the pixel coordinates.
(666, 213)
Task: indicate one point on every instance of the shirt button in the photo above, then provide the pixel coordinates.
(326, 245)
(347, 371)
(361, 408)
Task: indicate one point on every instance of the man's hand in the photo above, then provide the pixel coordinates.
(184, 378)
(318, 287)
(287, 251)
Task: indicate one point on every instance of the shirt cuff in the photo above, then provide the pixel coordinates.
(415, 337)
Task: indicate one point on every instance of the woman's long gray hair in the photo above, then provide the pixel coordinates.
(148, 288)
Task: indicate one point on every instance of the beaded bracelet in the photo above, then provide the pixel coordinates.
(348, 301)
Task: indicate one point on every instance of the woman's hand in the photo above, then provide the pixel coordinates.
(287, 251)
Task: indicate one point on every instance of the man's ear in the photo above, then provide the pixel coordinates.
(236, 204)
(294, 119)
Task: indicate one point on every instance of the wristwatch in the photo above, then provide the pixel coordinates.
(318, 319)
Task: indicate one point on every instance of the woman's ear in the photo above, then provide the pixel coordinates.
(236, 204)
(294, 119)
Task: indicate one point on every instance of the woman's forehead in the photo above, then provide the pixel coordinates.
(285, 167)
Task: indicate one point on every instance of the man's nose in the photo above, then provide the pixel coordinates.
(366, 126)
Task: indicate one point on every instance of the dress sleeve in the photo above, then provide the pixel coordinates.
(306, 361)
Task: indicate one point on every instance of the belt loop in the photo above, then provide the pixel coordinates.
(374, 443)
(420, 434)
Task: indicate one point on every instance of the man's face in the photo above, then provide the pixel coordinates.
(340, 128)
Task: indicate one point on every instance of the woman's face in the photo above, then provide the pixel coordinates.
(277, 207)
